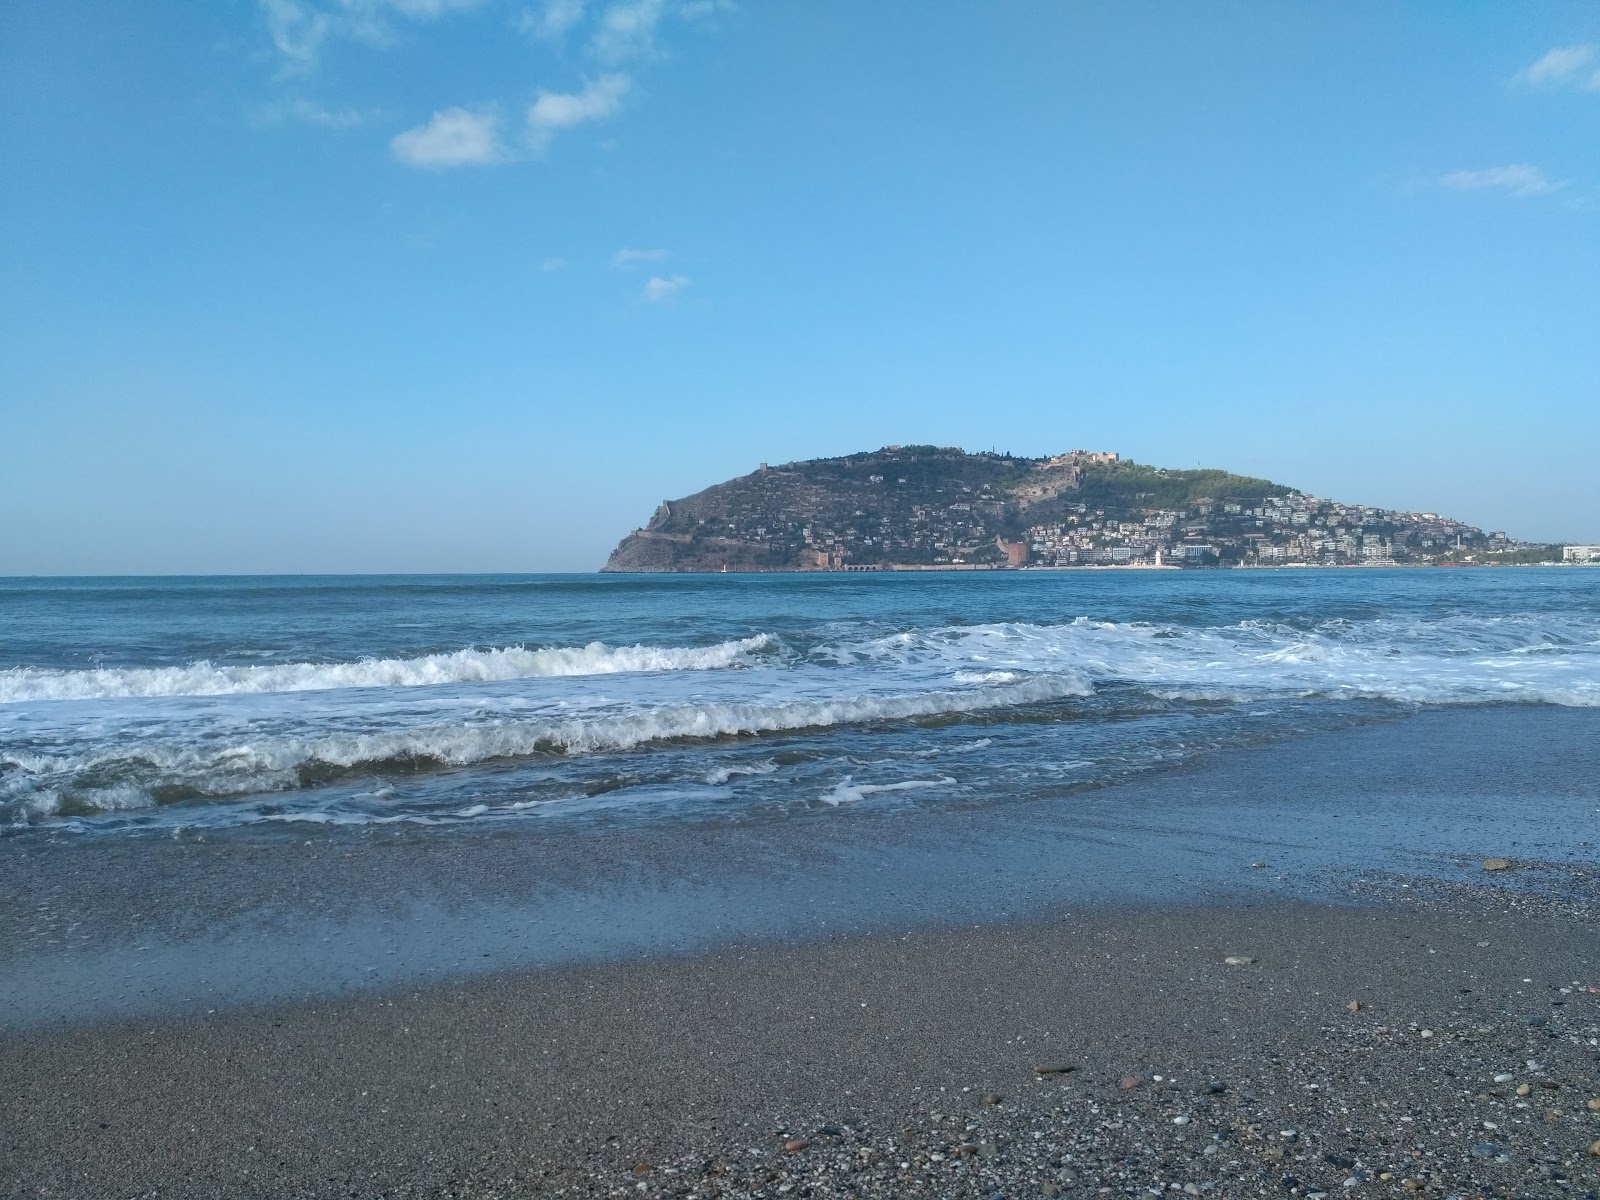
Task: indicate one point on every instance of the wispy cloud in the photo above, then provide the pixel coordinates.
(313, 113)
(627, 30)
(553, 264)
(660, 289)
(552, 21)
(454, 137)
(553, 112)
(299, 28)
(1565, 66)
(629, 257)
(1517, 179)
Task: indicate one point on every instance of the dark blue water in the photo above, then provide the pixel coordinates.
(196, 704)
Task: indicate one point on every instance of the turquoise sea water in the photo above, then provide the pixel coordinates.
(198, 704)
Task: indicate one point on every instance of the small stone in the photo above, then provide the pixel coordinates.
(1128, 1082)
(1484, 1150)
(1180, 1120)
(1340, 1161)
(1354, 1006)
(643, 1168)
(1593, 1105)
(1535, 1020)
(1497, 864)
(1524, 1090)
(1061, 1069)
(794, 1145)
(1238, 960)
(1427, 1033)
(991, 1098)
(1412, 1185)
(1288, 1135)
(1214, 1088)
(1594, 1149)
(1504, 1077)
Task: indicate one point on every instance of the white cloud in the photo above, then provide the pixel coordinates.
(1519, 179)
(454, 137)
(1566, 66)
(553, 264)
(660, 289)
(627, 30)
(555, 111)
(628, 257)
(553, 21)
(313, 113)
(299, 28)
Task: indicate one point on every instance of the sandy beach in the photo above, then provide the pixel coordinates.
(881, 1067)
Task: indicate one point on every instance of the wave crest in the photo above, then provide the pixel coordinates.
(23, 684)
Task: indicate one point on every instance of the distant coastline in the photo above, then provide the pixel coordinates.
(932, 508)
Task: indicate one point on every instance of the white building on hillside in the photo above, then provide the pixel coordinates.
(1580, 554)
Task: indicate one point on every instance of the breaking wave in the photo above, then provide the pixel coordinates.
(285, 762)
(1456, 660)
(23, 684)
(167, 735)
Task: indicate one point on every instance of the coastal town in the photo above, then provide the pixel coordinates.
(940, 508)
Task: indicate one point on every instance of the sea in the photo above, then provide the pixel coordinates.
(211, 706)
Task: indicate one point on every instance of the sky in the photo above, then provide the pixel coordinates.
(472, 285)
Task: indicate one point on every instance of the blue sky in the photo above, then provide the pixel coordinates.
(389, 285)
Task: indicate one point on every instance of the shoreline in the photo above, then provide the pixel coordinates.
(140, 927)
(850, 1003)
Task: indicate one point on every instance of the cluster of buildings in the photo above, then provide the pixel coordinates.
(1270, 531)
(938, 507)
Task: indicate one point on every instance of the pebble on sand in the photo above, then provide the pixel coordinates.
(1238, 960)
(1593, 1105)
(1497, 864)
(1354, 1006)
(794, 1145)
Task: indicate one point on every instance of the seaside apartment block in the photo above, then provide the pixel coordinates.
(1580, 554)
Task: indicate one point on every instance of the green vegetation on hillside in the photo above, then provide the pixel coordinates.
(1519, 556)
(1131, 485)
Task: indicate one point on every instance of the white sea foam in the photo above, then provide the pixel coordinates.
(209, 731)
(720, 775)
(276, 762)
(23, 684)
(1453, 660)
(846, 792)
